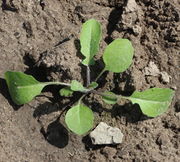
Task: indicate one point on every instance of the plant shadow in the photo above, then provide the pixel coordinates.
(56, 134)
(131, 112)
(8, 6)
(114, 18)
(39, 72)
(125, 78)
(54, 106)
(45, 109)
(95, 106)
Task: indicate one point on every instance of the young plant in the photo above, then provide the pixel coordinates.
(117, 58)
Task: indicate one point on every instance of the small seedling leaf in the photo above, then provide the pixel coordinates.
(66, 92)
(118, 55)
(77, 86)
(89, 39)
(154, 101)
(109, 97)
(93, 85)
(22, 87)
(79, 119)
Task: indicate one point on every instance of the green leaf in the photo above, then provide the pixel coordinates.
(109, 97)
(89, 39)
(118, 55)
(79, 119)
(77, 86)
(22, 87)
(154, 101)
(67, 92)
(93, 85)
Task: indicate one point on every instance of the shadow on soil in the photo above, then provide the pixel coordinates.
(45, 109)
(131, 112)
(54, 106)
(8, 6)
(114, 18)
(56, 134)
(39, 72)
(125, 78)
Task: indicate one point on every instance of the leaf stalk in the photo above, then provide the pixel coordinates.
(88, 75)
(57, 83)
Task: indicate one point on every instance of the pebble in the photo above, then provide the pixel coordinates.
(178, 115)
(165, 77)
(131, 6)
(137, 29)
(152, 69)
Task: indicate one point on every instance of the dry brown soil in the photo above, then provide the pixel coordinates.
(41, 37)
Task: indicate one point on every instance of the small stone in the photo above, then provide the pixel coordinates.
(137, 29)
(178, 28)
(17, 35)
(131, 6)
(165, 77)
(162, 139)
(152, 69)
(178, 115)
(105, 134)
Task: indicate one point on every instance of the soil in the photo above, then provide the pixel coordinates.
(41, 37)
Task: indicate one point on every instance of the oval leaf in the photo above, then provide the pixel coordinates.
(79, 119)
(109, 97)
(67, 92)
(77, 86)
(118, 55)
(89, 39)
(154, 101)
(22, 87)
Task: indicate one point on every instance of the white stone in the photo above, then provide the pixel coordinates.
(131, 6)
(152, 69)
(178, 115)
(137, 29)
(165, 77)
(105, 134)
